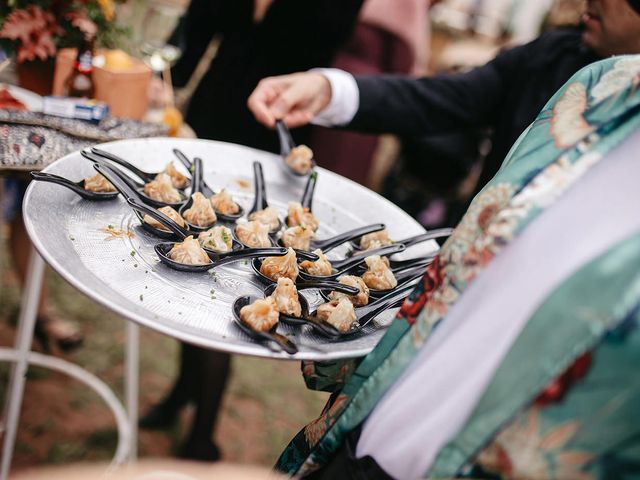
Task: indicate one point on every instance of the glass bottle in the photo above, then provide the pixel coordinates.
(79, 83)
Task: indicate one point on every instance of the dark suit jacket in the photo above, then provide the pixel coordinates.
(506, 95)
(294, 35)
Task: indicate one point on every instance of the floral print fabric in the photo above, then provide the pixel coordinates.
(595, 110)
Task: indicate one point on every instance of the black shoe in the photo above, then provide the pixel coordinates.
(201, 451)
(52, 330)
(159, 417)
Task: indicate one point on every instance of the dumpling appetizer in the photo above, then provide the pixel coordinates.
(177, 179)
(218, 239)
(224, 204)
(268, 216)
(161, 189)
(261, 316)
(375, 240)
(340, 315)
(253, 234)
(321, 267)
(278, 267)
(358, 300)
(189, 252)
(296, 215)
(299, 159)
(297, 237)
(378, 275)
(169, 212)
(98, 183)
(201, 213)
(286, 297)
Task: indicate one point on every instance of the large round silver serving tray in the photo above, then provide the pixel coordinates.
(125, 275)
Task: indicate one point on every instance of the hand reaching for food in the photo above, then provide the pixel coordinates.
(294, 98)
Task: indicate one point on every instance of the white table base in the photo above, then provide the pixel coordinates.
(22, 357)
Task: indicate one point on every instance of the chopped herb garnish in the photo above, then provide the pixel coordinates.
(135, 265)
(109, 226)
(132, 253)
(72, 238)
(141, 297)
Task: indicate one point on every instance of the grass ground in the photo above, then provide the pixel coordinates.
(63, 421)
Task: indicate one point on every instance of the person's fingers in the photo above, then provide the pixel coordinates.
(293, 98)
(258, 104)
(298, 118)
(299, 95)
(260, 100)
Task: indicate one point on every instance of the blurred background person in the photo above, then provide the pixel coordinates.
(389, 37)
(257, 39)
(502, 96)
(435, 175)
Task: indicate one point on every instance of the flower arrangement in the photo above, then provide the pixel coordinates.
(36, 29)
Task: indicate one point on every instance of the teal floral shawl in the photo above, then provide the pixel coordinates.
(534, 419)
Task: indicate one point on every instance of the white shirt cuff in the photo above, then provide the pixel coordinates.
(345, 98)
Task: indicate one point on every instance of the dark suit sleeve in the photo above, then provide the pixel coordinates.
(439, 104)
(201, 22)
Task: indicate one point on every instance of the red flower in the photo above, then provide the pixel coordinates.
(34, 29)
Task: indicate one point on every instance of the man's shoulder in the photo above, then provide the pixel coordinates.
(559, 46)
(555, 41)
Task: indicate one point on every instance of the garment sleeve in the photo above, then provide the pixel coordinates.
(344, 98)
(203, 19)
(439, 104)
(329, 376)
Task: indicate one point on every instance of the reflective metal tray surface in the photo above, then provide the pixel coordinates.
(125, 275)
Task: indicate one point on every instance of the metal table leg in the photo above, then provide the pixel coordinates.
(21, 356)
(26, 325)
(132, 366)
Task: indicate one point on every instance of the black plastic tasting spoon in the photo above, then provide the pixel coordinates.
(146, 177)
(286, 145)
(364, 315)
(136, 185)
(307, 196)
(216, 259)
(76, 187)
(411, 241)
(260, 201)
(256, 263)
(342, 267)
(207, 191)
(197, 188)
(271, 337)
(403, 277)
(330, 243)
(325, 329)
